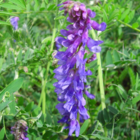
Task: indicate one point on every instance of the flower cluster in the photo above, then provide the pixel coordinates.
(14, 22)
(71, 73)
(19, 130)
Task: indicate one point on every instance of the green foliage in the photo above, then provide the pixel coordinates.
(27, 64)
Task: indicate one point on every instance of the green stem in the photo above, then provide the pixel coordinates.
(102, 94)
(43, 94)
(128, 25)
(30, 12)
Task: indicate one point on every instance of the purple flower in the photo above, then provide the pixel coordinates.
(14, 22)
(71, 73)
(19, 130)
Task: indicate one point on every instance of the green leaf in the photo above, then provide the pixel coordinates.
(132, 77)
(11, 88)
(138, 20)
(135, 25)
(29, 107)
(113, 110)
(48, 118)
(92, 128)
(49, 38)
(19, 3)
(84, 127)
(36, 7)
(101, 117)
(60, 17)
(46, 1)
(131, 15)
(123, 75)
(106, 115)
(4, 23)
(123, 15)
(2, 134)
(19, 58)
(116, 56)
(136, 99)
(100, 137)
(10, 6)
(6, 13)
(85, 137)
(109, 58)
(122, 92)
(4, 105)
(1, 62)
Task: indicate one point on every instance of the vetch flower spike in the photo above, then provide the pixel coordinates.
(19, 130)
(71, 73)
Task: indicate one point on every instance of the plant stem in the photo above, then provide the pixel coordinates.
(44, 81)
(129, 26)
(102, 94)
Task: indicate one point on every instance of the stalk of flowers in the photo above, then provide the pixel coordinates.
(71, 74)
(19, 130)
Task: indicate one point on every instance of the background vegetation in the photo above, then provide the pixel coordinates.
(27, 64)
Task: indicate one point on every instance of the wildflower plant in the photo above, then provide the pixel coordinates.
(71, 75)
(27, 77)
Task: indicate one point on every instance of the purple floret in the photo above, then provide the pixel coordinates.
(14, 22)
(71, 74)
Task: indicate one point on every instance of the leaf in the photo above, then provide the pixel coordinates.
(109, 58)
(10, 6)
(116, 56)
(29, 107)
(1, 62)
(106, 115)
(11, 88)
(121, 90)
(19, 3)
(123, 15)
(45, 40)
(113, 110)
(36, 5)
(2, 134)
(51, 7)
(123, 75)
(4, 23)
(85, 137)
(135, 25)
(60, 17)
(131, 15)
(100, 137)
(92, 128)
(132, 77)
(136, 99)
(19, 58)
(100, 117)
(48, 118)
(4, 105)
(6, 13)
(84, 127)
